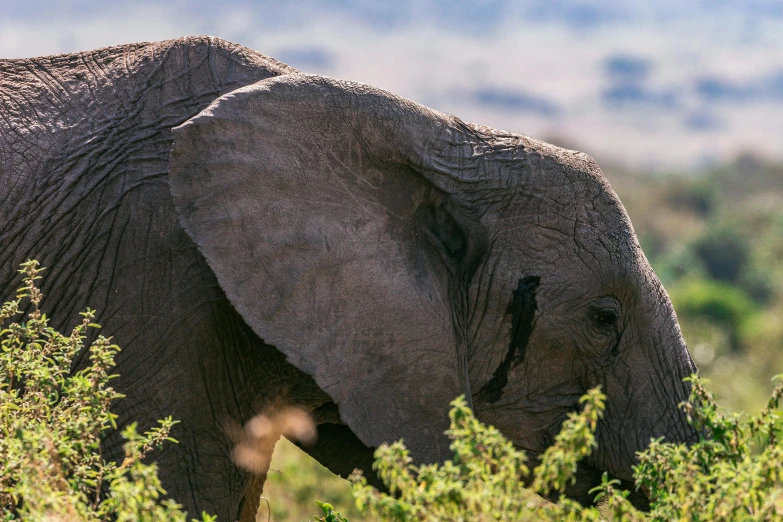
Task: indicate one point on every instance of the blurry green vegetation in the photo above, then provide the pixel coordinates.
(294, 480)
(715, 239)
(722, 306)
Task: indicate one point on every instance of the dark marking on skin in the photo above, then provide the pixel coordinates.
(522, 309)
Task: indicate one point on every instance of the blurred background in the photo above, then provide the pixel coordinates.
(681, 102)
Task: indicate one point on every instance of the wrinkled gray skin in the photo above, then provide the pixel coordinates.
(302, 240)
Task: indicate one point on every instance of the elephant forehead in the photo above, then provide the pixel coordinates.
(553, 223)
(590, 250)
(546, 191)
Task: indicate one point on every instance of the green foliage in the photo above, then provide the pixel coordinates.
(726, 306)
(295, 479)
(51, 424)
(734, 472)
(485, 480)
(330, 515)
(575, 441)
(724, 252)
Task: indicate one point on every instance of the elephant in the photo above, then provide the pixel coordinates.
(254, 236)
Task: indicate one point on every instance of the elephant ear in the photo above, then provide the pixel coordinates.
(325, 211)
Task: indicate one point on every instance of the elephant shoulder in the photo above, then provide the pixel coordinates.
(67, 105)
(80, 131)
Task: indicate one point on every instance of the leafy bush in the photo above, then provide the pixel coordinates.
(51, 423)
(485, 477)
(734, 472)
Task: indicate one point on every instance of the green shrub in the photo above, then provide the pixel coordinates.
(485, 479)
(734, 472)
(51, 423)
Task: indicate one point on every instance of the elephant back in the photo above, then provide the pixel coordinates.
(84, 134)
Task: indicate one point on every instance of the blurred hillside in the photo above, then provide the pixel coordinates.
(716, 241)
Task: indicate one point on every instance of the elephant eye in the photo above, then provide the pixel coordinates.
(605, 317)
(604, 313)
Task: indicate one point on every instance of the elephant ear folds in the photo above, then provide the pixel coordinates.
(300, 194)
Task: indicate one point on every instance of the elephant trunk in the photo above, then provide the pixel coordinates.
(644, 390)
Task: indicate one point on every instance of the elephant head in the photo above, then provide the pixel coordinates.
(402, 257)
